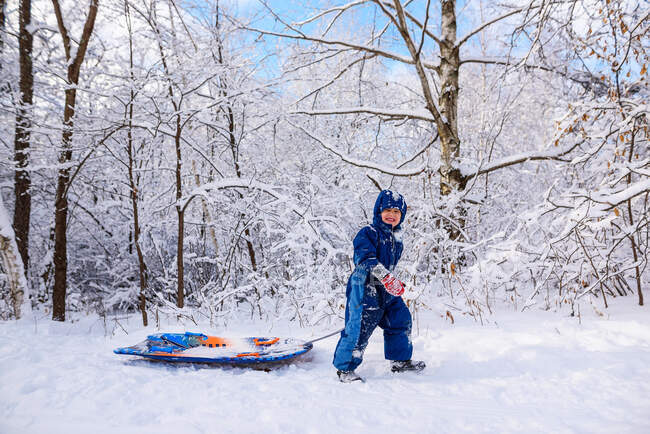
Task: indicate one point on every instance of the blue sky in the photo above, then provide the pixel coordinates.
(470, 14)
(358, 17)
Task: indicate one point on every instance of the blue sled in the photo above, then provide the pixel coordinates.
(200, 348)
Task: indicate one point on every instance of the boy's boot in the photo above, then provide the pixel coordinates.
(407, 366)
(349, 377)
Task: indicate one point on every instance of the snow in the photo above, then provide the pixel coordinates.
(6, 230)
(12, 257)
(521, 372)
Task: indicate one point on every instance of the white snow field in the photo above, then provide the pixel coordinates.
(531, 372)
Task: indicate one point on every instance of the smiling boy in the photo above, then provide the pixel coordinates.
(374, 294)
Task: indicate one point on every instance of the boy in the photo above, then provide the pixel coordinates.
(374, 294)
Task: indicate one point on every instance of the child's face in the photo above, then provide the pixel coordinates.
(392, 216)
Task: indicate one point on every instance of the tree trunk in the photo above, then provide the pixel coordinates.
(61, 211)
(630, 215)
(446, 111)
(180, 296)
(22, 178)
(180, 212)
(12, 264)
(235, 156)
(232, 139)
(451, 178)
(142, 266)
(206, 211)
(3, 15)
(63, 182)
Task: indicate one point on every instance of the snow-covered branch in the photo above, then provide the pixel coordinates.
(383, 112)
(522, 158)
(337, 10)
(361, 163)
(614, 199)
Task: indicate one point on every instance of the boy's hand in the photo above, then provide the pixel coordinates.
(393, 285)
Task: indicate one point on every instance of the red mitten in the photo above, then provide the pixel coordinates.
(393, 285)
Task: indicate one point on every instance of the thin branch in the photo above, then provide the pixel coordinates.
(180, 16)
(363, 48)
(424, 27)
(416, 22)
(83, 161)
(343, 71)
(489, 23)
(420, 152)
(374, 181)
(62, 28)
(360, 163)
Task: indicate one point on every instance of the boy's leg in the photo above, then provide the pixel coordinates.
(361, 318)
(397, 323)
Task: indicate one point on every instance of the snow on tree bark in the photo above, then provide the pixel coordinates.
(12, 265)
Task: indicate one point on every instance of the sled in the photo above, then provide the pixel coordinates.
(199, 348)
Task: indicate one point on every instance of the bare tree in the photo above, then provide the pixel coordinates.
(133, 187)
(178, 124)
(233, 143)
(179, 90)
(75, 61)
(22, 178)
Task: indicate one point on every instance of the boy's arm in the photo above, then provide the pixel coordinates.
(365, 257)
(365, 249)
(380, 271)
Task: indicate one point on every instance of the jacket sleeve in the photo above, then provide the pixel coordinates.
(365, 249)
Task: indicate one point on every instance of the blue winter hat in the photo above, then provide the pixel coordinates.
(389, 199)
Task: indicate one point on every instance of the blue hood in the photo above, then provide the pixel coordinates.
(388, 199)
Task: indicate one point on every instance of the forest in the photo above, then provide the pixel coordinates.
(213, 160)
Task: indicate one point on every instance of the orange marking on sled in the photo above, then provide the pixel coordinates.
(214, 341)
(269, 342)
(166, 354)
(248, 355)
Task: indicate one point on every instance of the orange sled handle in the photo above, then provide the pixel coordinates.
(269, 342)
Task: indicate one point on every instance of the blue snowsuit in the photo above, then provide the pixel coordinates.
(368, 304)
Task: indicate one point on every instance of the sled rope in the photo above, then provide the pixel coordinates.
(324, 337)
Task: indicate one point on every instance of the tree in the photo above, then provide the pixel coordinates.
(133, 186)
(75, 61)
(178, 123)
(22, 178)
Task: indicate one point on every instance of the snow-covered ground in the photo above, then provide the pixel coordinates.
(532, 372)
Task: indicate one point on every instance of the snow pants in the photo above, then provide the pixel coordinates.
(368, 306)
